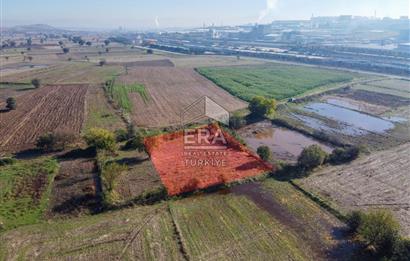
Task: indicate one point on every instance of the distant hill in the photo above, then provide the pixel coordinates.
(35, 28)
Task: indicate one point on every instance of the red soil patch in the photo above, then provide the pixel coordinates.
(218, 159)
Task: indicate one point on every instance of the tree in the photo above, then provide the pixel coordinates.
(30, 58)
(135, 142)
(264, 153)
(379, 230)
(121, 135)
(343, 155)
(261, 107)
(354, 219)
(110, 173)
(88, 43)
(55, 141)
(102, 62)
(237, 121)
(81, 42)
(11, 103)
(66, 50)
(107, 42)
(100, 139)
(29, 41)
(36, 83)
(6, 57)
(150, 51)
(311, 157)
(107, 50)
(60, 43)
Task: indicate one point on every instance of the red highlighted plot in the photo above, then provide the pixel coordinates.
(202, 157)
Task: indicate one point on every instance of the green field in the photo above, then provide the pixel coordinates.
(223, 226)
(272, 81)
(229, 227)
(120, 94)
(16, 86)
(24, 191)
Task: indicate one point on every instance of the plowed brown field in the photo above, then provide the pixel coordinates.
(39, 111)
(170, 90)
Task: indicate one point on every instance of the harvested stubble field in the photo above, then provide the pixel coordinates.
(43, 110)
(380, 180)
(184, 169)
(144, 63)
(68, 72)
(170, 91)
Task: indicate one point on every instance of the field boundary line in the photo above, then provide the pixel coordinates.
(179, 236)
(323, 204)
(136, 231)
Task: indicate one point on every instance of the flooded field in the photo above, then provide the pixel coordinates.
(285, 144)
(349, 117)
(355, 105)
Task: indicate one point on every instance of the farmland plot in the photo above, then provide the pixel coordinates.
(380, 180)
(72, 73)
(140, 233)
(273, 80)
(170, 91)
(256, 221)
(40, 111)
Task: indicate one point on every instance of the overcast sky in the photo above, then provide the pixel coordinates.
(139, 14)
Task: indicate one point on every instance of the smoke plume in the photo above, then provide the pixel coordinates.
(270, 6)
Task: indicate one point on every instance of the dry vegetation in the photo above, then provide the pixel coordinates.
(380, 180)
(170, 91)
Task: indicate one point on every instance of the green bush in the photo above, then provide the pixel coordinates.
(36, 83)
(11, 103)
(378, 230)
(55, 141)
(7, 161)
(101, 139)
(343, 155)
(110, 173)
(264, 153)
(261, 107)
(237, 121)
(121, 135)
(401, 251)
(311, 157)
(135, 143)
(354, 220)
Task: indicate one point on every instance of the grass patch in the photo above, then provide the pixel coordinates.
(272, 81)
(24, 191)
(16, 85)
(119, 92)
